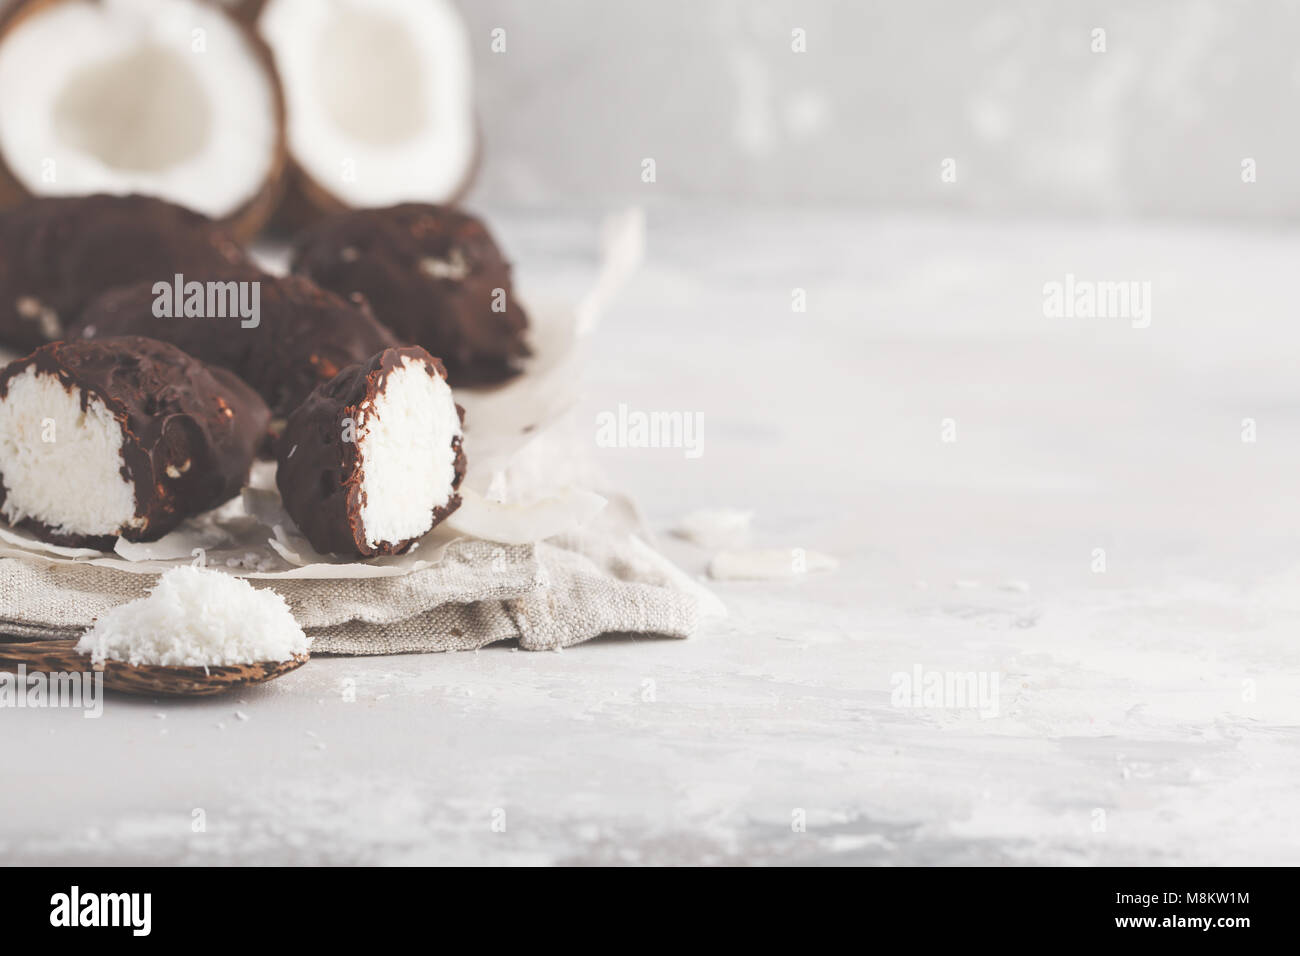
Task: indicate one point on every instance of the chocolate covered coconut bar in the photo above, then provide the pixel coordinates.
(432, 274)
(300, 336)
(120, 437)
(57, 254)
(373, 459)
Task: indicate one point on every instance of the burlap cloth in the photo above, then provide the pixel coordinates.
(558, 592)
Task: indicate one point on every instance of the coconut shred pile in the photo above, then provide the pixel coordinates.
(197, 618)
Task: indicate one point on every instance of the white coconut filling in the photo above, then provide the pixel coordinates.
(378, 94)
(407, 461)
(61, 465)
(197, 618)
(161, 97)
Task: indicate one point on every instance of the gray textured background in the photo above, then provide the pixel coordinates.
(1159, 698)
(1038, 124)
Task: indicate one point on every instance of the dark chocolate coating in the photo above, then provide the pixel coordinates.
(320, 475)
(173, 410)
(396, 257)
(56, 254)
(304, 337)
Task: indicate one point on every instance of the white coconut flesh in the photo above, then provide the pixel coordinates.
(379, 96)
(404, 443)
(62, 464)
(161, 97)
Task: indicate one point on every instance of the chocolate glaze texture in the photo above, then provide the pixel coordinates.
(56, 254)
(431, 273)
(189, 431)
(304, 336)
(320, 475)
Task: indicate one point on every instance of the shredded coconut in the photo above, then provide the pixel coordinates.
(194, 618)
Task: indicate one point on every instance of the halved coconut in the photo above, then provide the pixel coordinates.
(380, 102)
(168, 98)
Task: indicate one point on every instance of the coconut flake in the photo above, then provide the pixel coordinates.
(715, 528)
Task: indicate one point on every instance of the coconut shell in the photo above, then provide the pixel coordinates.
(304, 202)
(246, 221)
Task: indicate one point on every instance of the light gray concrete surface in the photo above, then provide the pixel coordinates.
(1037, 115)
(1147, 713)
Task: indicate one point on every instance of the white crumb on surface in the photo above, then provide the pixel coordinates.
(767, 564)
(196, 617)
(715, 528)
